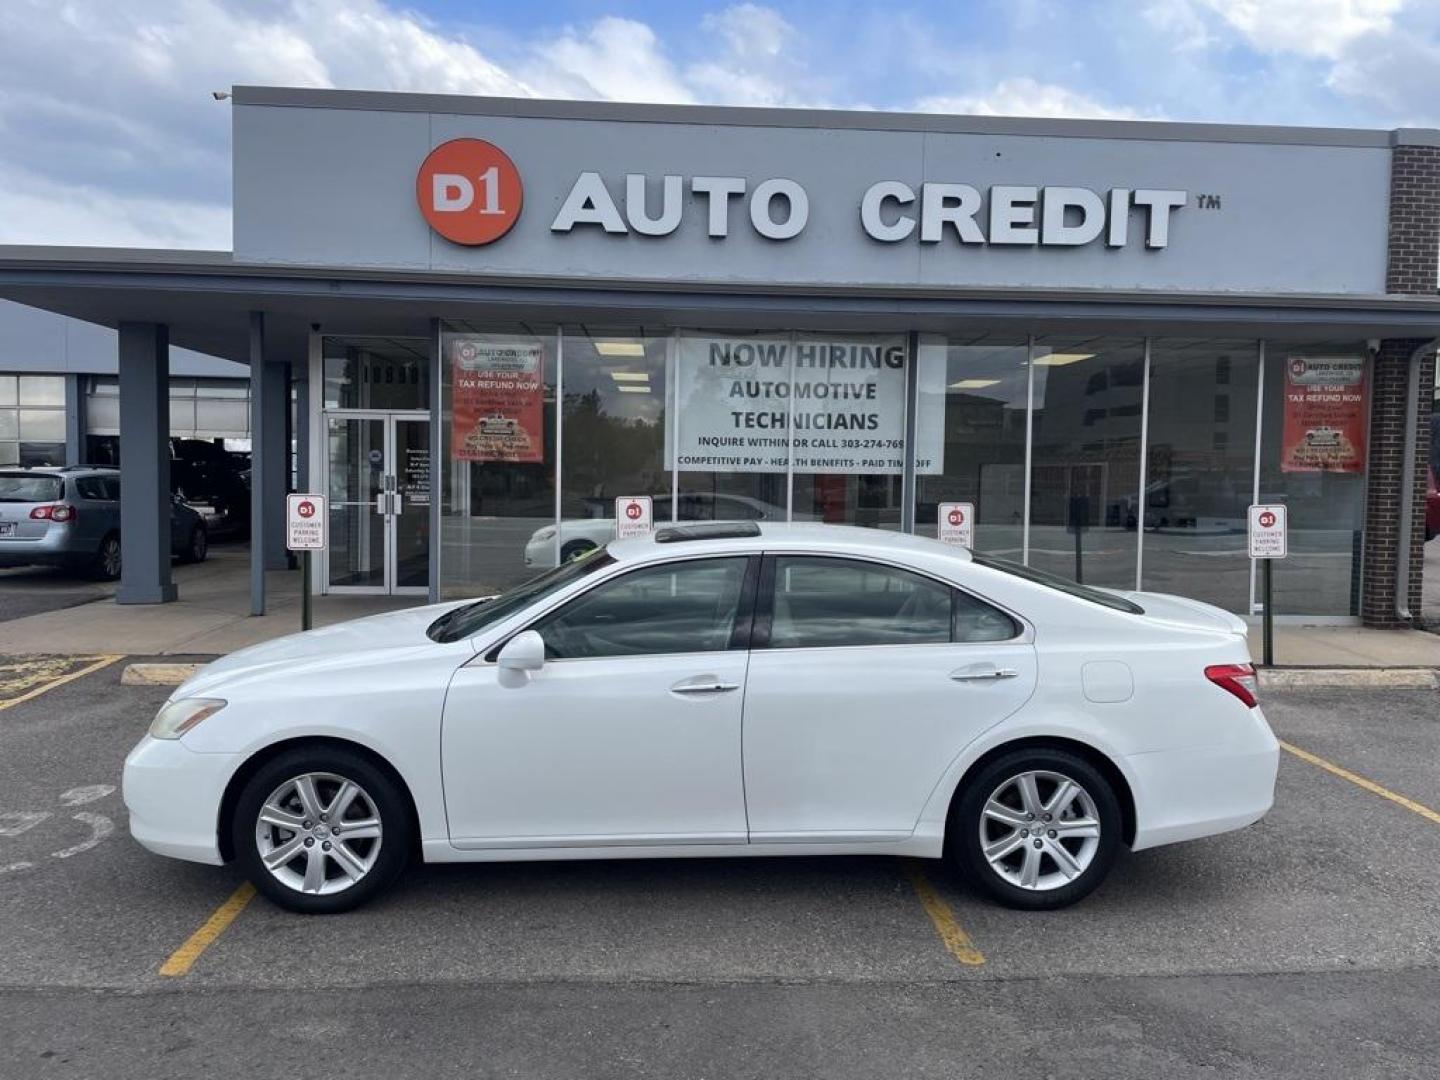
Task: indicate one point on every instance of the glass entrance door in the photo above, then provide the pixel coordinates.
(379, 489)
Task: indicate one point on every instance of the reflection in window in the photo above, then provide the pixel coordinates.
(822, 602)
(675, 608)
(970, 435)
(1086, 461)
(1200, 472)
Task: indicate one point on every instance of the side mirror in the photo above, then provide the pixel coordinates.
(522, 654)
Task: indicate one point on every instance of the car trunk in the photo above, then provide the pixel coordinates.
(1186, 612)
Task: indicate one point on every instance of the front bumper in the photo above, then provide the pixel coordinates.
(173, 795)
(1201, 791)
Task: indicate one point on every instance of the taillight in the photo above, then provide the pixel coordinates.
(61, 512)
(1238, 679)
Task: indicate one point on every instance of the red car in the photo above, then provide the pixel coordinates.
(1432, 506)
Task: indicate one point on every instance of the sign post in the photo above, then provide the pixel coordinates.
(634, 516)
(957, 524)
(306, 526)
(1269, 540)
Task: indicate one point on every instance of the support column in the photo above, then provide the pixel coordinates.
(1401, 397)
(260, 422)
(75, 419)
(144, 354)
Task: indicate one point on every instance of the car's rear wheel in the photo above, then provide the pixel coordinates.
(1036, 829)
(198, 545)
(322, 830)
(106, 563)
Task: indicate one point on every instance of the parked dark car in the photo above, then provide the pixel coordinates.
(70, 517)
(205, 472)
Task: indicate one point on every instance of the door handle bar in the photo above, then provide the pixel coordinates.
(704, 688)
(979, 676)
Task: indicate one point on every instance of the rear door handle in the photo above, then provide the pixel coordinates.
(712, 687)
(972, 675)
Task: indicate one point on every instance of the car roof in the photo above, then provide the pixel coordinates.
(783, 536)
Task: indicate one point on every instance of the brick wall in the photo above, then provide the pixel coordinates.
(1412, 265)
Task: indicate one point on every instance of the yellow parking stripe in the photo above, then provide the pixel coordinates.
(952, 934)
(34, 677)
(183, 958)
(1360, 781)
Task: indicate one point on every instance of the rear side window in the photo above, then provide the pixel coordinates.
(28, 488)
(821, 602)
(673, 608)
(91, 487)
(1055, 581)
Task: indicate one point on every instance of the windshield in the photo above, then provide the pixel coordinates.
(467, 620)
(27, 487)
(1055, 581)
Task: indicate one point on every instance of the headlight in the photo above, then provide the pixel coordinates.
(547, 533)
(177, 717)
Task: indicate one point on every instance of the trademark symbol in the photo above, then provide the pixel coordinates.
(1208, 202)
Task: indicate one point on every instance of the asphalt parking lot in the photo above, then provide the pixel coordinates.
(1307, 945)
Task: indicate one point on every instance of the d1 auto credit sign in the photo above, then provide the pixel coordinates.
(1268, 536)
(305, 522)
(957, 524)
(634, 516)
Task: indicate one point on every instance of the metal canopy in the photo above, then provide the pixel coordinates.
(205, 297)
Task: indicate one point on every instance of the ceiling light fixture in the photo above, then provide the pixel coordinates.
(1060, 359)
(633, 389)
(630, 376)
(620, 348)
(972, 384)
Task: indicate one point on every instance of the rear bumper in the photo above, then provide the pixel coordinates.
(1199, 791)
(56, 546)
(173, 795)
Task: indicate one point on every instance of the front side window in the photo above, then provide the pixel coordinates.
(677, 607)
(820, 602)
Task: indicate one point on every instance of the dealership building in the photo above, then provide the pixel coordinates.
(498, 316)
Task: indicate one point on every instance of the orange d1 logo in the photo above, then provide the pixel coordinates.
(469, 191)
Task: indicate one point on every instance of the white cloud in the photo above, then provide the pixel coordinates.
(1308, 27)
(1027, 97)
(617, 59)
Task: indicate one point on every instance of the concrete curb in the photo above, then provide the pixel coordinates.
(157, 674)
(1394, 678)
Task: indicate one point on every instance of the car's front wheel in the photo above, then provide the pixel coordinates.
(1036, 829)
(322, 830)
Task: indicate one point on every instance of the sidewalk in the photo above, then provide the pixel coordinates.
(212, 616)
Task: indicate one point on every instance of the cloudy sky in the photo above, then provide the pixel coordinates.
(108, 133)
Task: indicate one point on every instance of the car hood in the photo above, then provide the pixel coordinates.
(1185, 612)
(356, 642)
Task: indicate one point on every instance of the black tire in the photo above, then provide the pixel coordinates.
(198, 545)
(964, 849)
(575, 548)
(106, 564)
(390, 805)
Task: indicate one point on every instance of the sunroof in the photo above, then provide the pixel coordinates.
(706, 530)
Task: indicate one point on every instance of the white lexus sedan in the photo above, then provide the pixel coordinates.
(721, 689)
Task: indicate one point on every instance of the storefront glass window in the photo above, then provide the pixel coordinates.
(376, 373)
(1313, 456)
(1085, 467)
(970, 435)
(616, 392)
(1200, 469)
(497, 476)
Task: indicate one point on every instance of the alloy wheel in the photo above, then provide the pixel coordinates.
(110, 558)
(319, 833)
(1039, 830)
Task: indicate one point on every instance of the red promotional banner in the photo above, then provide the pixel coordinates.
(498, 398)
(1326, 403)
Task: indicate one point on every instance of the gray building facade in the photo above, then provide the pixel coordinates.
(1106, 338)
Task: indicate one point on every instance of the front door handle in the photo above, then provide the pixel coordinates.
(974, 675)
(712, 686)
